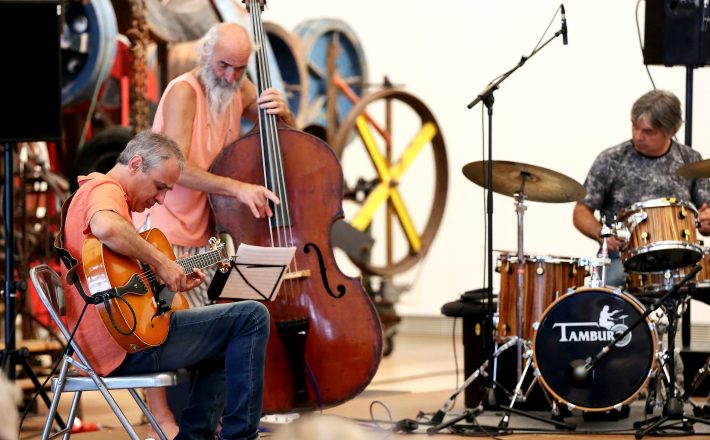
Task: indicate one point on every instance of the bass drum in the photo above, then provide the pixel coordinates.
(577, 326)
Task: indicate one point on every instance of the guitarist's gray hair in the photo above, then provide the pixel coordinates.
(154, 148)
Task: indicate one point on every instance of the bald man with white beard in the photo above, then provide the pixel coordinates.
(201, 110)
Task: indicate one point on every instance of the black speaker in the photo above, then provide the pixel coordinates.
(30, 102)
(676, 33)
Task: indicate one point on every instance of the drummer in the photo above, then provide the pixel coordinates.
(641, 169)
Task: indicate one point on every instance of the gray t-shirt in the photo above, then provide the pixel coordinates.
(621, 176)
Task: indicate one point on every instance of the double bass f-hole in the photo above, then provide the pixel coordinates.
(323, 274)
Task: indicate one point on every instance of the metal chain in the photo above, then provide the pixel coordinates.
(139, 38)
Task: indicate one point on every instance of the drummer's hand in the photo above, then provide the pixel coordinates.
(612, 244)
(704, 219)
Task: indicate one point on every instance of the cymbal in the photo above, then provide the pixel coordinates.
(695, 170)
(541, 184)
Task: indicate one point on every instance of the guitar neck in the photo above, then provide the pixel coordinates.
(200, 261)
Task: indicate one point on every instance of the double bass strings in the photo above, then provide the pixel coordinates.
(271, 150)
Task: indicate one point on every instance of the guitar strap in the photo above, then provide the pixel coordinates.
(69, 261)
(72, 277)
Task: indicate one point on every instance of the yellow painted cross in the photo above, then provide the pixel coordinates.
(390, 177)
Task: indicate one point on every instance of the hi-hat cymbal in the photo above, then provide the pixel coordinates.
(695, 170)
(541, 184)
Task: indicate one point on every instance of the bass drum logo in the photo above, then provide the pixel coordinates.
(604, 329)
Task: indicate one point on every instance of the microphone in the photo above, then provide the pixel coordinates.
(564, 25)
(579, 372)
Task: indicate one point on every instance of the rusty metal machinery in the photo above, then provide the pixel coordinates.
(88, 47)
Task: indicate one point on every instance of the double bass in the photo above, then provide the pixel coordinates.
(326, 338)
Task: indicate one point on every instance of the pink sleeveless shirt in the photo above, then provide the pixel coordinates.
(185, 216)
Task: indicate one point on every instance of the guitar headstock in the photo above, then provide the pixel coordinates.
(221, 249)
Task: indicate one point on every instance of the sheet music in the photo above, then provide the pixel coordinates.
(257, 272)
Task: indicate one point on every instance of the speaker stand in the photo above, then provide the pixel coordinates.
(10, 356)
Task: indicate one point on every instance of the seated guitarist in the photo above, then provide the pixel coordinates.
(210, 340)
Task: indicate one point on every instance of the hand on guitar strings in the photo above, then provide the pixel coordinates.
(173, 275)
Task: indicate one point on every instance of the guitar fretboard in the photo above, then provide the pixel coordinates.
(201, 261)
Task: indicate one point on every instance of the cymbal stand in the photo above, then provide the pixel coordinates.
(480, 371)
(598, 264)
(487, 98)
(503, 424)
(520, 209)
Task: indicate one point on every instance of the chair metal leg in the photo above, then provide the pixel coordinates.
(114, 406)
(55, 400)
(148, 414)
(72, 414)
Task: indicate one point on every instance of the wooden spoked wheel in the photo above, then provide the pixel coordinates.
(394, 162)
(292, 67)
(326, 41)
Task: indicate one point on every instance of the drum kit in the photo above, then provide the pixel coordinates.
(594, 347)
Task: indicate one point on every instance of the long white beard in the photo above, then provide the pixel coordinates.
(218, 91)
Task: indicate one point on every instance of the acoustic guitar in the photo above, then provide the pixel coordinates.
(137, 315)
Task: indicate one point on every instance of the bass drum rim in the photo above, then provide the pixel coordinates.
(635, 303)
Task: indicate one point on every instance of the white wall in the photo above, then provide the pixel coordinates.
(559, 111)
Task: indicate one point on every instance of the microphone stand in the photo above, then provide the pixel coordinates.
(486, 96)
(581, 369)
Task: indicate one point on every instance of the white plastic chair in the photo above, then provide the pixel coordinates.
(49, 288)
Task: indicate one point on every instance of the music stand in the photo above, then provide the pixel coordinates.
(254, 273)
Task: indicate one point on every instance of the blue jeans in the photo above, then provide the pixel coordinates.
(211, 340)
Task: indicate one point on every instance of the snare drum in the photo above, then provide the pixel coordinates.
(545, 278)
(578, 325)
(662, 235)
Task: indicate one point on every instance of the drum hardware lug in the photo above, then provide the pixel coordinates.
(540, 270)
(571, 406)
(682, 214)
(685, 234)
(570, 289)
(621, 232)
(634, 220)
(645, 236)
(535, 325)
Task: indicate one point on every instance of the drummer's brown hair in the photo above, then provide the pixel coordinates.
(662, 108)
